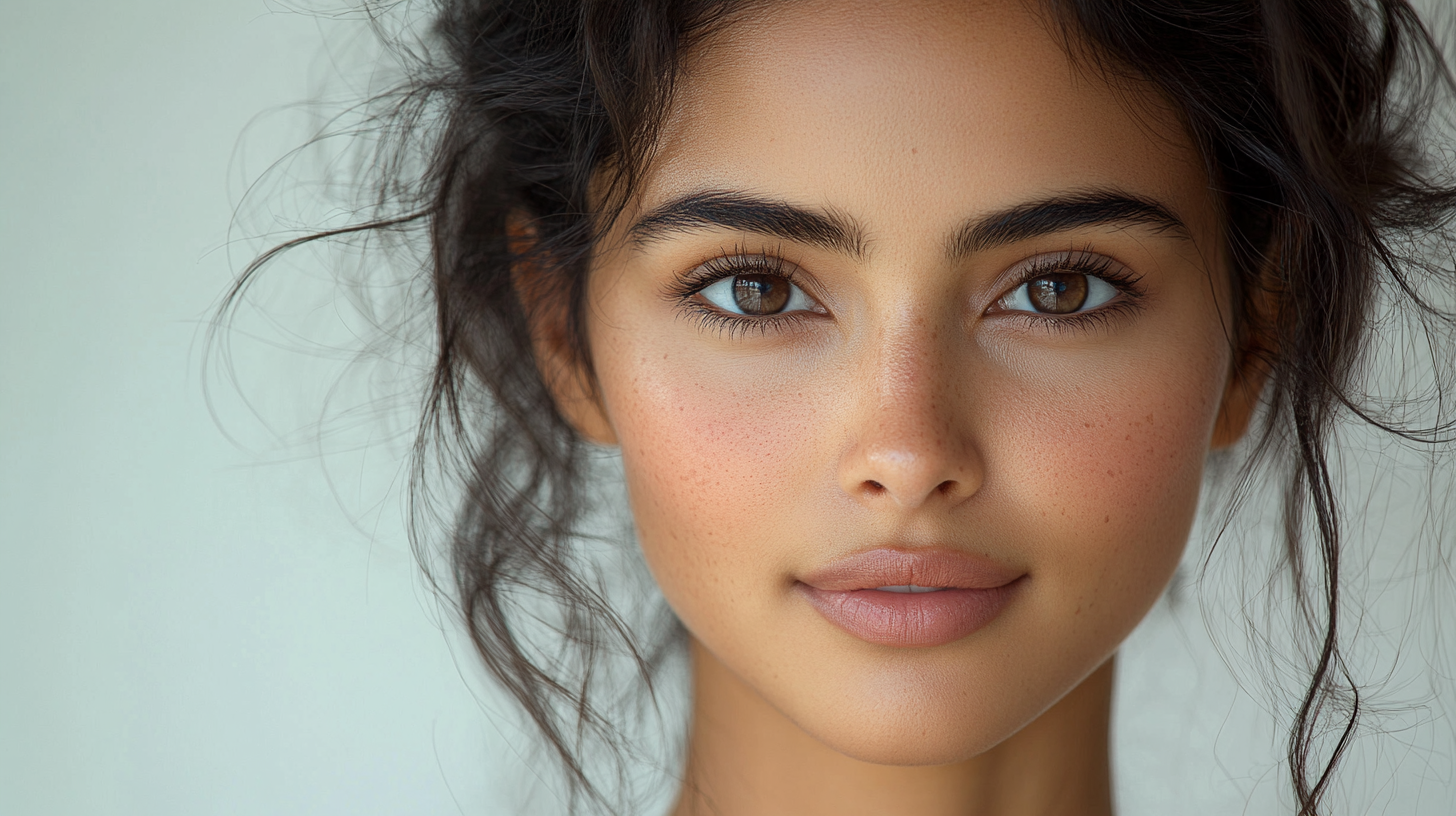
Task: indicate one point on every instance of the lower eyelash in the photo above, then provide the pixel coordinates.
(736, 325)
(1100, 318)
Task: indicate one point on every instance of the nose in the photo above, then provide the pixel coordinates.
(909, 440)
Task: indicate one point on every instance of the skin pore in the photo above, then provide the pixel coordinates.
(898, 181)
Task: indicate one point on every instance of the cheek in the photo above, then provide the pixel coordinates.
(1104, 474)
(712, 451)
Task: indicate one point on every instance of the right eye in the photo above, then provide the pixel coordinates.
(756, 295)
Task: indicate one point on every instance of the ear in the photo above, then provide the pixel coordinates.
(1251, 366)
(548, 316)
(1240, 398)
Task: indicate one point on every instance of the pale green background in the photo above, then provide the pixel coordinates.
(189, 627)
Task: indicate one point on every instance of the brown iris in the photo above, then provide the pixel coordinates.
(1061, 293)
(760, 294)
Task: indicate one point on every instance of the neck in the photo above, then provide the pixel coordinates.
(747, 759)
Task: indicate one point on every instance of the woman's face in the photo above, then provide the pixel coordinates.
(909, 299)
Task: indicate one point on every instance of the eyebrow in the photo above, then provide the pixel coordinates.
(740, 211)
(836, 231)
(1096, 208)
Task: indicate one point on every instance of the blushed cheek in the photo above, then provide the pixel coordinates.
(712, 455)
(1109, 476)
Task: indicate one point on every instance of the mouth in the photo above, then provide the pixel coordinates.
(910, 599)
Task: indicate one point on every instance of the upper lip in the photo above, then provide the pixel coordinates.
(930, 567)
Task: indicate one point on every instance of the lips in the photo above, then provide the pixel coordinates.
(880, 596)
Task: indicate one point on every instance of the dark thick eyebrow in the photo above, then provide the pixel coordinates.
(739, 211)
(1063, 212)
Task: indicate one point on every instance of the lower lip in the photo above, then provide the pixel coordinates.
(907, 619)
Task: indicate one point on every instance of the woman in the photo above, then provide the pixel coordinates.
(915, 324)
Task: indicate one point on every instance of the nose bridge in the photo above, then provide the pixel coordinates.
(908, 445)
(906, 371)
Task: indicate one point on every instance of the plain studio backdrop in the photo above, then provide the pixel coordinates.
(197, 624)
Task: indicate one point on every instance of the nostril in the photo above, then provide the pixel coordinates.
(874, 486)
(946, 487)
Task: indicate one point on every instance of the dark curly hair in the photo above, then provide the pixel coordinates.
(1313, 118)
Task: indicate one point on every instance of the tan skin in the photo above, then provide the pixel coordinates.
(904, 396)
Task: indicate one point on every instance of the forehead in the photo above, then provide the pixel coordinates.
(904, 112)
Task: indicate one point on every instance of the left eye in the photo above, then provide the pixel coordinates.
(1059, 293)
(756, 295)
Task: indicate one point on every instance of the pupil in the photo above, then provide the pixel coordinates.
(760, 294)
(1062, 293)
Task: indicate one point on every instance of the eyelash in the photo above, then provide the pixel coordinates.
(739, 262)
(1081, 262)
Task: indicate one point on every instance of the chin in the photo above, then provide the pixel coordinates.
(913, 742)
(922, 717)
